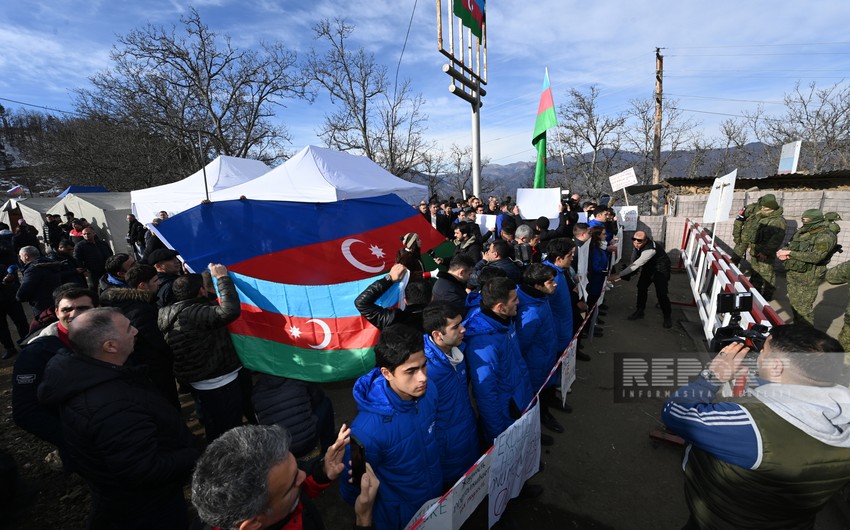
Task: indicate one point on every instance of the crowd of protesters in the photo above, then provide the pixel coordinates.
(114, 338)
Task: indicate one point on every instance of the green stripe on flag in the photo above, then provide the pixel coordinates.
(306, 364)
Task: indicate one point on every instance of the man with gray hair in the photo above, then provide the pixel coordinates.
(125, 439)
(247, 479)
(39, 277)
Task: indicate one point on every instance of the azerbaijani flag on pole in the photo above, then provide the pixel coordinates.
(545, 120)
(471, 14)
(298, 268)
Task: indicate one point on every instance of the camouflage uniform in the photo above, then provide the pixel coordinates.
(742, 231)
(840, 274)
(769, 235)
(806, 266)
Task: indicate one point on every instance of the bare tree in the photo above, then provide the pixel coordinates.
(174, 84)
(433, 170)
(590, 140)
(818, 117)
(460, 164)
(677, 133)
(381, 121)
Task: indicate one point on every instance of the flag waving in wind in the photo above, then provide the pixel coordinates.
(471, 14)
(545, 120)
(298, 268)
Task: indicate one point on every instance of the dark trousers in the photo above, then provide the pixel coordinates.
(660, 281)
(222, 408)
(14, 311)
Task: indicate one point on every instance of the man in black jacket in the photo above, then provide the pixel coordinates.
(653, 264)
(28, 412)
(195, 328)
(137, 301)
(417, 294)
(451, 284)
(130, 445)
(40, 276)
(91, 253)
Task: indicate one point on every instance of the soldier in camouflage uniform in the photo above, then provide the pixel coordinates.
(805, 259)
(769, 233)
(742, 230)
(838, 275)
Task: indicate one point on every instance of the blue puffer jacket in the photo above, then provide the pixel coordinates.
(401, 445)
(497, 371)
(597, 270)
(537, 341)
(456, 423)
(562, 309)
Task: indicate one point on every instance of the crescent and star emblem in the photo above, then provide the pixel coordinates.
(327, 332)
(376, 251)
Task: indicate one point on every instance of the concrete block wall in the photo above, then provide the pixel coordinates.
(794, 203)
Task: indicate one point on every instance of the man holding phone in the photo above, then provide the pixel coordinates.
(396, 426)
(248, 479)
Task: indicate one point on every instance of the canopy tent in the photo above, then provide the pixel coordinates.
(31, 210)
(318, 174)
(82, 189)
(105, 212)
(221, 173)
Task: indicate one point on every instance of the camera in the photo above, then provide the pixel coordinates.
(754, 338)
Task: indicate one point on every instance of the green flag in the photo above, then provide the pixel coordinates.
(545, 120)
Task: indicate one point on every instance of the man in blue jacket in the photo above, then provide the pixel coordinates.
(396, 423)
(456, 425)
(499, 375)
(538, 343)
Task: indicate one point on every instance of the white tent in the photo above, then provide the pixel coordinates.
(105, 212)
(318, 174)
(221, 173)
(31, 210)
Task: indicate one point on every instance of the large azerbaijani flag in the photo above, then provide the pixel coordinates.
(298, 268)
(546, 119)
(471, 14)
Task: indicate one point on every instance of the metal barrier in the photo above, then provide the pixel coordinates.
(711, 272)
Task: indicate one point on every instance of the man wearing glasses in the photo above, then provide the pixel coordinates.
(653, 264)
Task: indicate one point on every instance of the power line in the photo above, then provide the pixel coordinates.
(807, 54)
(726, 114)
(404, 46)
(757, 45)
(38, 106)
(725, 99)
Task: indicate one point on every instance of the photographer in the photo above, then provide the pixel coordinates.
(773, 458)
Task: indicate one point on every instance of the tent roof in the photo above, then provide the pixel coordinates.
(82, 189)
(117, 200)
(39, 204)
(221, 173)
(318, 174)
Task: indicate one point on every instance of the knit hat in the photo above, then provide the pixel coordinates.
(814, 214)
(769, 201)
(410, 240)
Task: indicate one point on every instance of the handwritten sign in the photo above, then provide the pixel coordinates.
(568, 371)
(515, 458)
(623, 179)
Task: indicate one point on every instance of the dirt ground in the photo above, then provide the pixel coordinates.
(604, 472)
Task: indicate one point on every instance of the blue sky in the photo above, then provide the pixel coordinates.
(721, 57)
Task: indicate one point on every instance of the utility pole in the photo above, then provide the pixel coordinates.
(656, 143)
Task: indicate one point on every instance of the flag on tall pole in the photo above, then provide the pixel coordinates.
(545, 120)
(471, 14)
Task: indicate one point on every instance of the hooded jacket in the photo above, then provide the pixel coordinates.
(401, 445)
(768, 460)
(497, 371)
(130, 445)
(769, 233)
(534, 325)
(561, 305)
(457, 431)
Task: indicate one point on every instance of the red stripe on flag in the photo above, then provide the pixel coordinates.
(340, 260)
(345, 333)
(546, 102)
